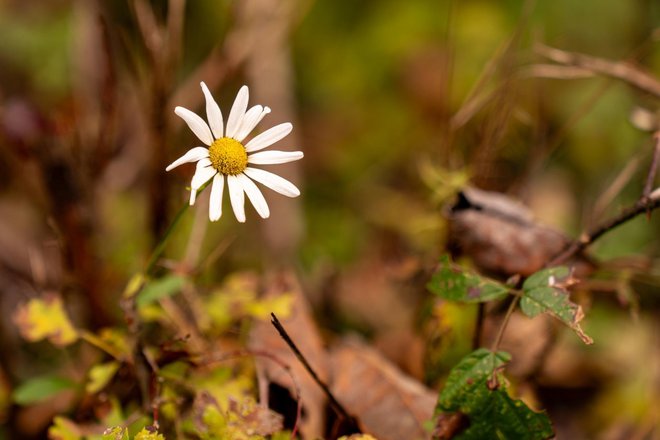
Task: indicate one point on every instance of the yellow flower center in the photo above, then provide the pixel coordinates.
(228, 156)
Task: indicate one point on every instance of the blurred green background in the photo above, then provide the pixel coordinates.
(381, 95)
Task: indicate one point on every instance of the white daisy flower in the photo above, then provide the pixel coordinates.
(228, 157)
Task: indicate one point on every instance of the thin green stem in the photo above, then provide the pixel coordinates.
(155, 255)
(160, 247)
(505, 322)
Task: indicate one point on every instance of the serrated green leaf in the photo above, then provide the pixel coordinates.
(491, 412)
(455, 284)
(161, 288)
(100, 375)
(465, 379)
(545, 277)
(544, 292)
(501, 417)
(41, 388)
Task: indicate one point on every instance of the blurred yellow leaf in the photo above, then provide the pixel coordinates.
(64, 429)
(100, 375)
(280, 305)
(145, 434)
(116, 433)
(45, 319)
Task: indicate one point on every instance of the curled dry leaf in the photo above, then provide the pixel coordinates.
(387, 403)
(500, 234)
(300, 326)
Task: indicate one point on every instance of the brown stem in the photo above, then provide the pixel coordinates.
(650, 178)
(624, 71)
(642, 205)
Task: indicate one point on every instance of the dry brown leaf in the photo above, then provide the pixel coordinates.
(502, 237)
(387, 403)
(303, 331)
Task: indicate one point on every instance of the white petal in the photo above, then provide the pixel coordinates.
(273, 181)
(255, 196)
(237, 112)
(236, 197)
(248, 126)
(192, 155)
(196, 124)
(215, 203)
(213, 113)
(193, 196)
(249, 121)
(269, 137)
(272, 157)
(203, 173)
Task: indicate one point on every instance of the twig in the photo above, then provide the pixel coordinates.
(624, 71)
(650, 178)
(641, 206)
(333, 401)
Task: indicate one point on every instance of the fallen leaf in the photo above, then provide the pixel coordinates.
(304, 333)
(500, 235)
(387, 403)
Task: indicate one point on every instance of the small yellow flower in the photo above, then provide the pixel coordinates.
(227, 156)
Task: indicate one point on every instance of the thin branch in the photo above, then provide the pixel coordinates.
(641, 206)
(650, 178)
(624, 71)
(331, 398)
(505, 322)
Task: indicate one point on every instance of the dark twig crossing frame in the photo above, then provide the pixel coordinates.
(340, 410)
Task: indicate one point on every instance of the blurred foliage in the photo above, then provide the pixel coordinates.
(376, 88)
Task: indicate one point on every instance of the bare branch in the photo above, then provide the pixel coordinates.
(624, 71)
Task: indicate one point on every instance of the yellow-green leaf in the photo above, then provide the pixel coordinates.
(100, 375)
(45, 319)
(261, 309)
(116, 433)
(146, 434)
(64, 429)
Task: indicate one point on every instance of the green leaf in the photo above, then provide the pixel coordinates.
(472, 371)
(161, 288)
(501, 417)
(474, 388)
(45, 319)
(453, 283)
(41, 388)
(545, 292)
(100, 375)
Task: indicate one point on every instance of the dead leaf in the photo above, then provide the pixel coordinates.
(387, 403)
(303, 331)
(500, 235)
(45, 319)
